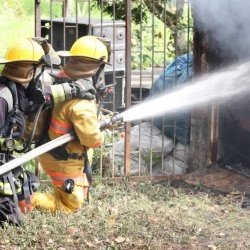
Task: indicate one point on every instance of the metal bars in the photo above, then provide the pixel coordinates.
(152, 35)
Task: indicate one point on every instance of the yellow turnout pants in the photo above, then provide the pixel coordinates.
(59, 171)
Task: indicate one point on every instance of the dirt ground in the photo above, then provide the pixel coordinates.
(220, 179)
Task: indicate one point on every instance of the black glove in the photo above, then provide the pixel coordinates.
(83, 89)
(102, 90)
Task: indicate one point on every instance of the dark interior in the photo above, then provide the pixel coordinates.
(234, 117)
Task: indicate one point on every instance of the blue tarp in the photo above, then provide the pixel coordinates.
(175, 74)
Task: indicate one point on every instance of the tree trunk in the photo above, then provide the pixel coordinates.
(68, 8)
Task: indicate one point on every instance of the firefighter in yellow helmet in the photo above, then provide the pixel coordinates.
(68, 166)
(23, 95)
(24, 64)
(20, 62)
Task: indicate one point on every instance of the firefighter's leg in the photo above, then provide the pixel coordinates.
(49, 164)
(59, 200)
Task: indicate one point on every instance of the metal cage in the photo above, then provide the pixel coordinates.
(146, 37)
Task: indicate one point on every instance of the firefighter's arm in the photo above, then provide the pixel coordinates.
(81, 88)
(86, 125)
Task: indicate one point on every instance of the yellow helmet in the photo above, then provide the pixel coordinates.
(90, 47)
(25, 50)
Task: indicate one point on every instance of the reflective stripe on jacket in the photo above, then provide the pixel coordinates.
(5, 189)
(60, 127)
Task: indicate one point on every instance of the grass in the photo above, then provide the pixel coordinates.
(137, 216)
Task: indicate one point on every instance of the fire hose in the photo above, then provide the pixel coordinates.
(115, 120)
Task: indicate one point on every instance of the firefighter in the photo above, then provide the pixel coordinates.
(23, 95)
(68, 165)
(20, 62)
(23, 66)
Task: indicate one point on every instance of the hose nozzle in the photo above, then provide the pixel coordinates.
(115, 121)
(117, 118)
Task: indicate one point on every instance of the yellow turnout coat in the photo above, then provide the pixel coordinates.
(81, 116)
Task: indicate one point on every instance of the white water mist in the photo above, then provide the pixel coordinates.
(216, 87)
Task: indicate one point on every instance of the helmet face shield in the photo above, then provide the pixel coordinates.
(25, 50)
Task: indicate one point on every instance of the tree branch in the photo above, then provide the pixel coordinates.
(159, 11)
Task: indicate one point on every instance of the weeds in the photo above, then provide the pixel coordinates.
(137, 216)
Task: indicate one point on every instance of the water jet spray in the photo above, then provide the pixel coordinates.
(217, 87)
(220, 87)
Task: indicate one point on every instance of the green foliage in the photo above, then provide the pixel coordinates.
(156, 159)
(147, 33)
(153, 43)
(151, 48)
(28, 7)
(16, 22)
(117, 9)
(159, 30)
(56, 9)
(103, 154)
(12, 7)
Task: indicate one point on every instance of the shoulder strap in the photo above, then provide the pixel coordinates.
(6, 94)
(12, 87)
(8, 127)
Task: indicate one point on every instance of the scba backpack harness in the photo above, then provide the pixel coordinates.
(19, 183)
